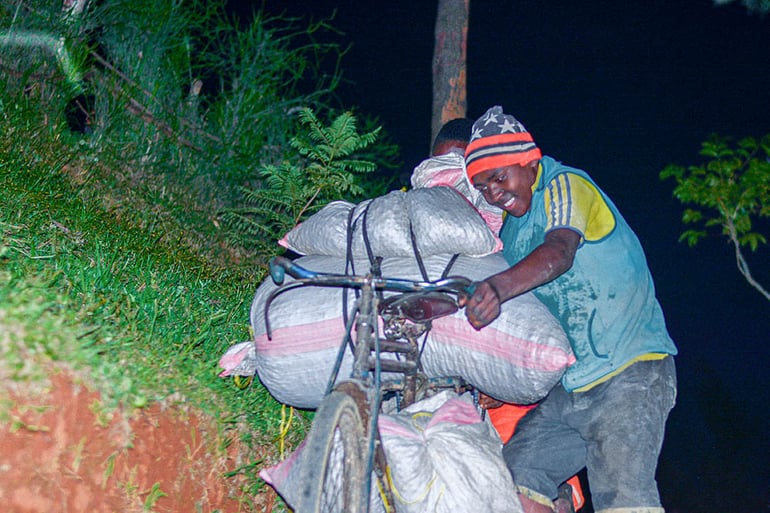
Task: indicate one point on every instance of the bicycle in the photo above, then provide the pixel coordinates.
(343, 438)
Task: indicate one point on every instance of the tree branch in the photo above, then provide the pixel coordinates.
(307, 205)
(743, 266)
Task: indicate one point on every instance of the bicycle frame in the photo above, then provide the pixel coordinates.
(365, 385)
(365, 313)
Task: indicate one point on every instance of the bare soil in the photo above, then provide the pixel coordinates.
(60, 454)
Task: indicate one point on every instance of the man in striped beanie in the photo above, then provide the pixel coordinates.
(567, 242)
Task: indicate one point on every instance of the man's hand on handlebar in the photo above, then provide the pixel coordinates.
(483, 306)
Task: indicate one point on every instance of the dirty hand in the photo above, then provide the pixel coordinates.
(483, 306)
(488, 403)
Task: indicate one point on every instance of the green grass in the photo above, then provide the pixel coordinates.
(114, 260)
(121, 276)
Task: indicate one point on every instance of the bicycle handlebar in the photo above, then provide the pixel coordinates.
(280, 266)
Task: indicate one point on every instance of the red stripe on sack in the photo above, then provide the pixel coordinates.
(302, 338)
(454, 331)
(455, 411)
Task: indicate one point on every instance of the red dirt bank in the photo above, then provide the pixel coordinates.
(58, 456)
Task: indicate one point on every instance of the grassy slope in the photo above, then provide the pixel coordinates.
(122, 276)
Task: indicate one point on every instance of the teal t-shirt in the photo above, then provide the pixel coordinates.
(606, 301)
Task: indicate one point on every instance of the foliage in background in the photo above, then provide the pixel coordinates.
(329, 170)
(728, 192)
(186, 98)
(124, 304)
(127, 127)
(180, 88)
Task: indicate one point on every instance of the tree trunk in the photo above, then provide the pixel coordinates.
(449, 54)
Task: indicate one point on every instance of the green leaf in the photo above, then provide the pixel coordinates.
(727, 192)
(327, 168)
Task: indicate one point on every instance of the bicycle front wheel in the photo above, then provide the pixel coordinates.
(335, 459)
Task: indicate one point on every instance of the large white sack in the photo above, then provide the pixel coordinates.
(445, 459)
(449, 170)
(517, 358)
(442, 458)
(441, 219)
(307, 327)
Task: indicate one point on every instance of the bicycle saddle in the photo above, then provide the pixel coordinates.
(418, 307)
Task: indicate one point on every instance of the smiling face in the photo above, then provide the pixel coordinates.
(508, 187)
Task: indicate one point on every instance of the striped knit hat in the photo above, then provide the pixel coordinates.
(498, 140)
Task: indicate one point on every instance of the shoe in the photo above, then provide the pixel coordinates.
(564, 503)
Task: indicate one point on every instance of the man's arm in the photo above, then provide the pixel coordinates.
(546, 262)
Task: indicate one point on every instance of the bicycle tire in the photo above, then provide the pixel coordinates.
(335, 459)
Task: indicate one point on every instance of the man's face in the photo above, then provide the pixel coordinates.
(508, 187)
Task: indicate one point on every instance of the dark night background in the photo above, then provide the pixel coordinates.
(620, 89)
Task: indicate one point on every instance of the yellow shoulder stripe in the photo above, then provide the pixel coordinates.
(571, 201)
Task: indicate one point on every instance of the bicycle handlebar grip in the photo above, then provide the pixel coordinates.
(278, 266)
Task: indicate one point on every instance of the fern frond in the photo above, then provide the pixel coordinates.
(327, 169)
